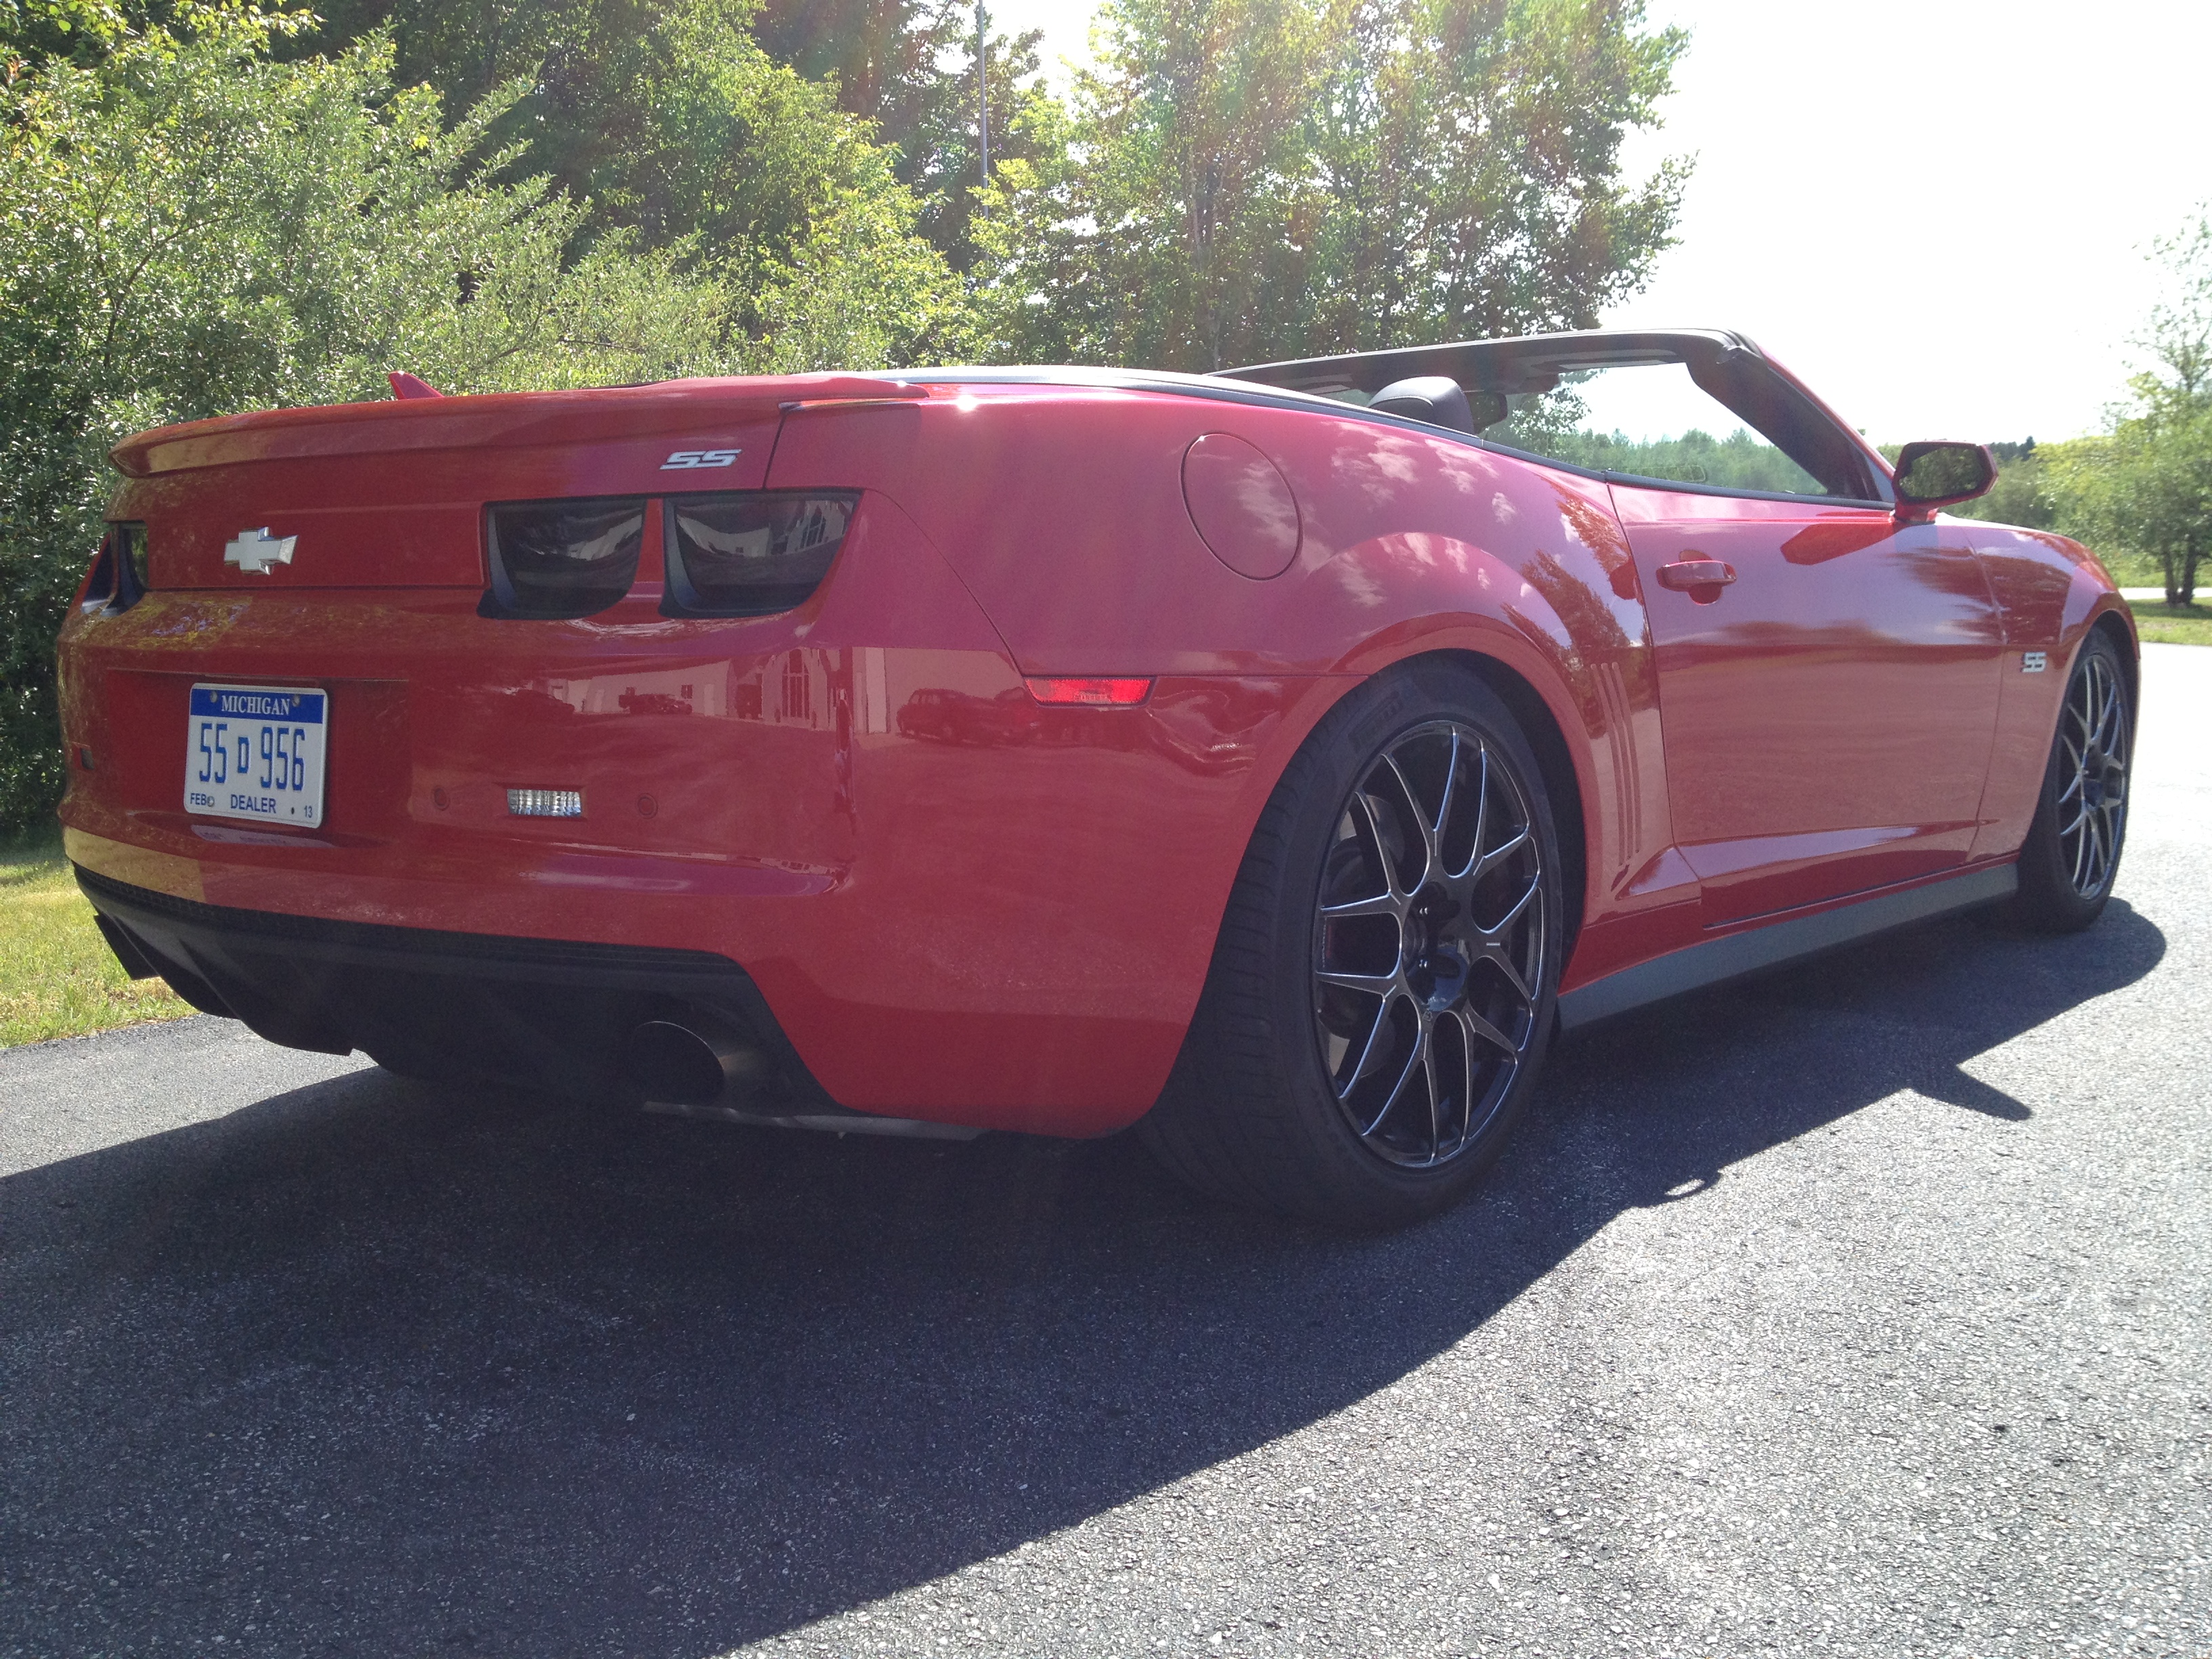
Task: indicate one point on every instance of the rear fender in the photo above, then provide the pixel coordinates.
(1062, 509)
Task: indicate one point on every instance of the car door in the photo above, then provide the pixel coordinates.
(1829, 709)
(1828, 672)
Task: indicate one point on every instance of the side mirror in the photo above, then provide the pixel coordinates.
(1938, 475)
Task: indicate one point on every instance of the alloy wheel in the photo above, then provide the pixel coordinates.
(2092, 747)
(1428, 948)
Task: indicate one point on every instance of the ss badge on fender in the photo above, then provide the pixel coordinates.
(684, 460)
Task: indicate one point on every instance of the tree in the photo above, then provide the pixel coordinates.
(2146, 487)
(2021, 494)
(1173, 240)
(1472, 159)
(1279, 178)
(909, 68)
(676, 126)
(864, 83)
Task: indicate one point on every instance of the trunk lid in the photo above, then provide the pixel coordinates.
(391, 494)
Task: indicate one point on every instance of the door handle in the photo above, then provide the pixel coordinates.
(1686, 575)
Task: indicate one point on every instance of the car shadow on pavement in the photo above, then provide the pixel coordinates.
(365, 1369)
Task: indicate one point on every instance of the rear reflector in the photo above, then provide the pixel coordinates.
(546, 803)
(1099, 693)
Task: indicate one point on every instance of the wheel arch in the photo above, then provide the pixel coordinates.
(2114, 626)
(1540, 725)
(1561, 781)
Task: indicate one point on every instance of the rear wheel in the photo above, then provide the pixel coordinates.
(2072, 853)
(1381, 990)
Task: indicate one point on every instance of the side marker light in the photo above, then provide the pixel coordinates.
(1093, 692)
(546, 803)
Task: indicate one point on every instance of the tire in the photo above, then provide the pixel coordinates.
(1381, 997)
(2072, 853)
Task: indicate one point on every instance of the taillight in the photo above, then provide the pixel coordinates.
(555, 559)
(749, 555)
(119, 579)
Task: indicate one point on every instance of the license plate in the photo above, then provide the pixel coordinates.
(256, 752)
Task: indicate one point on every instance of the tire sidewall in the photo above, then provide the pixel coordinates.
(2046, 899)
(1341, 751)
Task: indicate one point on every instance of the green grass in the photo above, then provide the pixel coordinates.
(2172, 624)
(58, 977)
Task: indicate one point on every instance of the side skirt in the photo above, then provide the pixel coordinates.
(1734, 955)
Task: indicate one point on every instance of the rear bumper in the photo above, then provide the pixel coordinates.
(547, 1013)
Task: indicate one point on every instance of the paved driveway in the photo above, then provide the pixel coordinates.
(1861, 1310)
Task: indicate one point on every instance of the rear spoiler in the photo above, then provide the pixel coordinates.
(494, 420)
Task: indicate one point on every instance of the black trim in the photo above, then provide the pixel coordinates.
(553, 1014)
(1186, 386)
(1636, 480)
(1727, 366)
(1285, 396)
(553, 961)
(1472, 362)
(1734, 955)
(118, 580)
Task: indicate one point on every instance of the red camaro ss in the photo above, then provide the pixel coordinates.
(1274, 760)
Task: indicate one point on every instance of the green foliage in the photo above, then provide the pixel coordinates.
(1739, 461)
(2173, 624)
(1265, 178)
(674, 125)
(2021, 494)
(909, 69)
(58, 977)
(2146, 487)
(189, 228)
(728, 119)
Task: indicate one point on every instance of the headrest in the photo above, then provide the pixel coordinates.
(1436, 398)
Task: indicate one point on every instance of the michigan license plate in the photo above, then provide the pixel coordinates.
(256, 752)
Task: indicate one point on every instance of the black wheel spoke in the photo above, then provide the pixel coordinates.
(1405, 1072)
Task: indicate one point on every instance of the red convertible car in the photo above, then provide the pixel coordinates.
(1274, 760)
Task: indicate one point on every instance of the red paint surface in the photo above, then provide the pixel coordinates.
(963, 903)
(1829, 712)
(1240, 505)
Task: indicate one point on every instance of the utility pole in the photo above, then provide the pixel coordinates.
(983, 92)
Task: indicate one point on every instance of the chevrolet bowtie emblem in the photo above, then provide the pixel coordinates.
(256, 549)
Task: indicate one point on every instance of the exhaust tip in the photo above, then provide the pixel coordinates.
(684, 1065)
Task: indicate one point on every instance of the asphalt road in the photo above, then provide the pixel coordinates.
(1861, 1309)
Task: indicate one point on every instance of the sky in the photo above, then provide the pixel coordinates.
(2067, 137)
